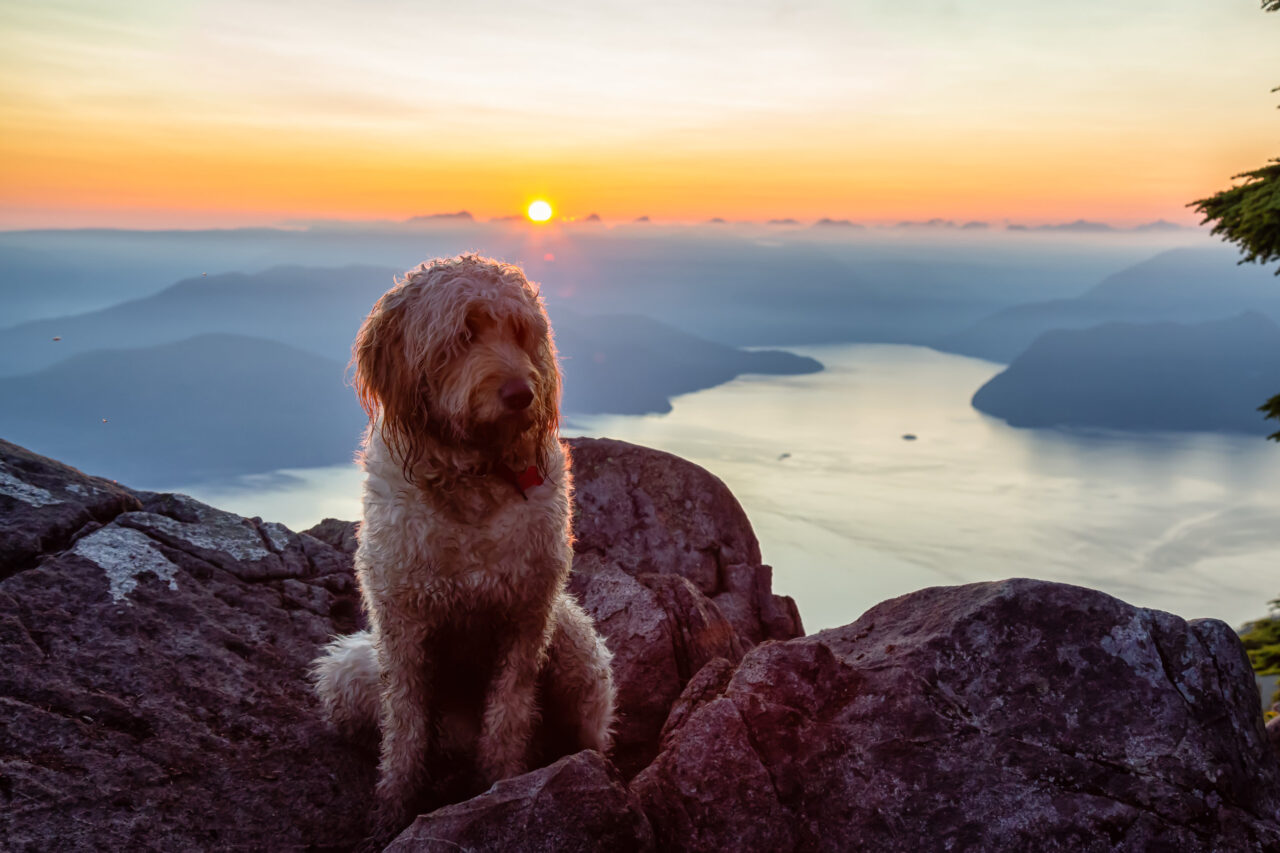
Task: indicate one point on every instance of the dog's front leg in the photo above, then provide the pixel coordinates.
(511, 704)
(405, 722)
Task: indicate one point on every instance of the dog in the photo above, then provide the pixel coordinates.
(473, 643)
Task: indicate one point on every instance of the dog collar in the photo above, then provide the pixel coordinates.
(522, 481)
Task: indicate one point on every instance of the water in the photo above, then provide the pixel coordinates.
(849, 513)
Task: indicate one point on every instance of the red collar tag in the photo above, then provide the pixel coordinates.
(523, 481)
(529, 479)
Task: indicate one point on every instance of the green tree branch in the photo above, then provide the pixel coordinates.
(1248, 215)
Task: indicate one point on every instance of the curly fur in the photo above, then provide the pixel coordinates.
(463, 575)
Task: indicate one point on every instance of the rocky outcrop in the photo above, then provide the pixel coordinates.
(667, 564)
(45, 503)
(644, 511)
(152, 676)
(1019, 715)
(152, 661)
(155, 650)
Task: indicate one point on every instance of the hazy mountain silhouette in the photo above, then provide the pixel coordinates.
(316, 310)
(752, 293)
(459, 216)
(740, 284)
(60, 272)
(1162, 225)
(198, 409)
(170, 359)
(52, 273)
(1164, 376)
(1082, 226)
(320, 310)
(217, 405)
(1180, 285)
(627, 364)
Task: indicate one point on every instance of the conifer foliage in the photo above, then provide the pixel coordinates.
(1248, 215)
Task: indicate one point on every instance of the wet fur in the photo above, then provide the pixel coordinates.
(463, 577)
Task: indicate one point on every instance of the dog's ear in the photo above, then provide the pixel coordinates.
(385, 379)
(546, 413)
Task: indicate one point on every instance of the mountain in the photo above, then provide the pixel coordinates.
(250, 397)
(1163, 376)
(740, 284)
(55, 273)
(317, 310)
(628, 364)
(198, 409)
(1180, 285)
(613, 363)
(52, 273)
(460, 216)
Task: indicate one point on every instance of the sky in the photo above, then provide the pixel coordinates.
(164, 113)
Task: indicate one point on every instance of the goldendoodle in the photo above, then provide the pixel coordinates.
(473, 642)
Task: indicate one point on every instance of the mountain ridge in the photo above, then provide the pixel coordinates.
(1208, 376)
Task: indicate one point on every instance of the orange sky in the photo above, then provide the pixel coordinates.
(189, 114)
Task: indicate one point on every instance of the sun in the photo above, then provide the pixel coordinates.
(539, 211)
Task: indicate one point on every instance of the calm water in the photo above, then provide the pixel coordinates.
(849, 513)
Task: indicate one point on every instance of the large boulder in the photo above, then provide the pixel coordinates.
(1019, 715)
(153, 674)
(644, 511)
(667, 564)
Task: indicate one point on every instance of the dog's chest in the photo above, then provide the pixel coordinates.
(515, 543)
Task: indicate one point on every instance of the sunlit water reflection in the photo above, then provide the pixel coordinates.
(849, 513)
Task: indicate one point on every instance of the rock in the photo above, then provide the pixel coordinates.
(708, 684)
(645, 511)
(661, 631)
(1019, 715)
(44, 504)
(153, 682)
(1273, 735)
(578, 803)
(337, 534)
(666, 563)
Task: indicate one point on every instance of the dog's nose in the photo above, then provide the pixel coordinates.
(516, 395)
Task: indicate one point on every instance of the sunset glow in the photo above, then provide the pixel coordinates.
(236, 113)
(539, 211)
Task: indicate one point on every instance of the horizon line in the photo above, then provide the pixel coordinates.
(832, 224)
